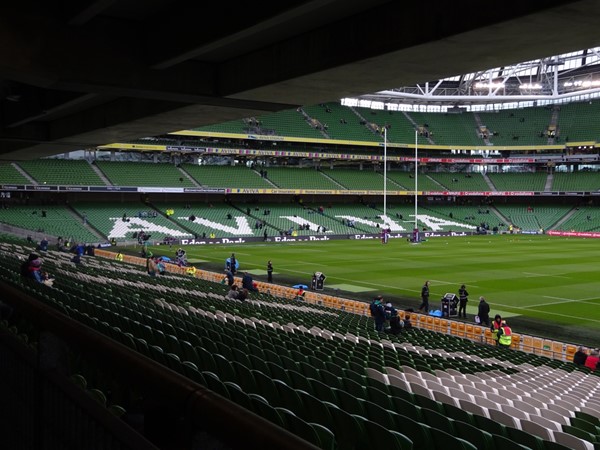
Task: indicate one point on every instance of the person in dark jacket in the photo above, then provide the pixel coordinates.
(425, 298)
(378, 313)
(580, 357)
(377, 310)
(25, 273)
(396, 324)
(463, 298)
(248, 282)
(229, 277)
(483, 312)
(243, 295)
(233, 263)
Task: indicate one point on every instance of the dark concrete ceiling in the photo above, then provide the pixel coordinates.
(75, 74)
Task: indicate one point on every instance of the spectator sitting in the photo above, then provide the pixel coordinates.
(396, 324)
(34, 270)
(233, 292)
(160, 265)
(242, 295)
(591, 361)
(43, 245)
(25, 265)
(579, 357)
(80, 249)
(300, 294)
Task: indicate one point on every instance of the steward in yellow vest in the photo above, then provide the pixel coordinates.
(504, 335)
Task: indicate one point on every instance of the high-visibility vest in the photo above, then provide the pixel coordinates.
(495, 329)
(191, 270)
(505, 337)
(119, 257)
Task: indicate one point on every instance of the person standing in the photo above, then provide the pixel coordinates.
(181, 256)
(151, 266)
(425, 298)
(504, 335)
(269, 271)
(463, 298)
(483, 311)
(378, 313)
(233, 263)
(229, 279)
(248, 283)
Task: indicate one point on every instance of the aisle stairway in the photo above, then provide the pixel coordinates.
(25, 174)
(96, 169)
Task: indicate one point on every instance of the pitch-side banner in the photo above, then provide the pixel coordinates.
(583, 234)
(322, 237)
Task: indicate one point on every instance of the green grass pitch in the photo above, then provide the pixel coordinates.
(550, 284)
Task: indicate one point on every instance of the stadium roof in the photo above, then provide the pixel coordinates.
(561, 78)
(80, 73)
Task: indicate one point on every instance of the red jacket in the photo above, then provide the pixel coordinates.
(592, 362)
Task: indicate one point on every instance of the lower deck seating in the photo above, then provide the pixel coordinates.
(327, 367)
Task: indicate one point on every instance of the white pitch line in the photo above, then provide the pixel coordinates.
(442, 282)
(563, 300)
(560, 298)
(531, 275)
(547, 312)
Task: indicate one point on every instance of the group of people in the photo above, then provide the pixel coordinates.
(384, 313)
(237, 294)
(154, 265)
(501, 332)
(590, 359)
(463, 298)
(248, 284)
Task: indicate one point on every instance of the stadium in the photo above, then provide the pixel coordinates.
(218, 147)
